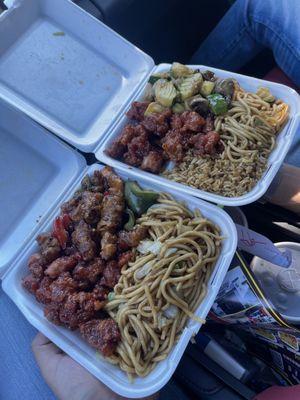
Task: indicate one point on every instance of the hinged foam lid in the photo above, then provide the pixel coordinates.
(35, 170)
(66, 69)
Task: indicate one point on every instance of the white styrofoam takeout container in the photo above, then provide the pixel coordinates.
(34, 172)
(283, 141)
(66, 69)
(79, 83)
(38, 173)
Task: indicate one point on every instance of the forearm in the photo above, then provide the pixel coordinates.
(285, 189)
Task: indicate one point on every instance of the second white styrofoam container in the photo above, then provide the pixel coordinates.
(283, 141)
(74, 345)
(35, 170)
(77, 78)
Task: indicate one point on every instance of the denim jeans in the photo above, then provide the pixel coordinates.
(250, 26)
(247, 28)
(20, 377)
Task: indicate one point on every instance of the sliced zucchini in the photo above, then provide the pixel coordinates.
(154, 108)
(190, 85)
(165, 92)
(178, 108)
(179, 70)
(155, 77)
(207, 88)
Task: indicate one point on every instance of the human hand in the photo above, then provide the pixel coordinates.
(67, 379)
(284, 190)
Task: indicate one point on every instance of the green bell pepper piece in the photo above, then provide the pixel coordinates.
(139, 200)
(217, 104)
(131, 220)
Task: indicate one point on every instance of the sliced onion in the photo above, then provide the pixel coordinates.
(149, 246)
(143, 271)
(161, 320)
(170, 251)
(171, 311)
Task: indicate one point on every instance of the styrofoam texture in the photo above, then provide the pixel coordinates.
(71, 342)
(66, 69)
(283, 141)
(35, 169)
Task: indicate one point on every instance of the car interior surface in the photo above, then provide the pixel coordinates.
(172, 30)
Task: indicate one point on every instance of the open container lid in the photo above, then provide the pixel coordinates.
(35, 170)
(66, 69)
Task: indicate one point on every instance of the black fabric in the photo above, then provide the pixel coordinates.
(89, 7)
(173, 391)
(201, 383)
(166, 30)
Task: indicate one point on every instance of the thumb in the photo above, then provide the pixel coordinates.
(43, 350)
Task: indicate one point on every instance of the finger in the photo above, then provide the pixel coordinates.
(40, 340)
(43, 348)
